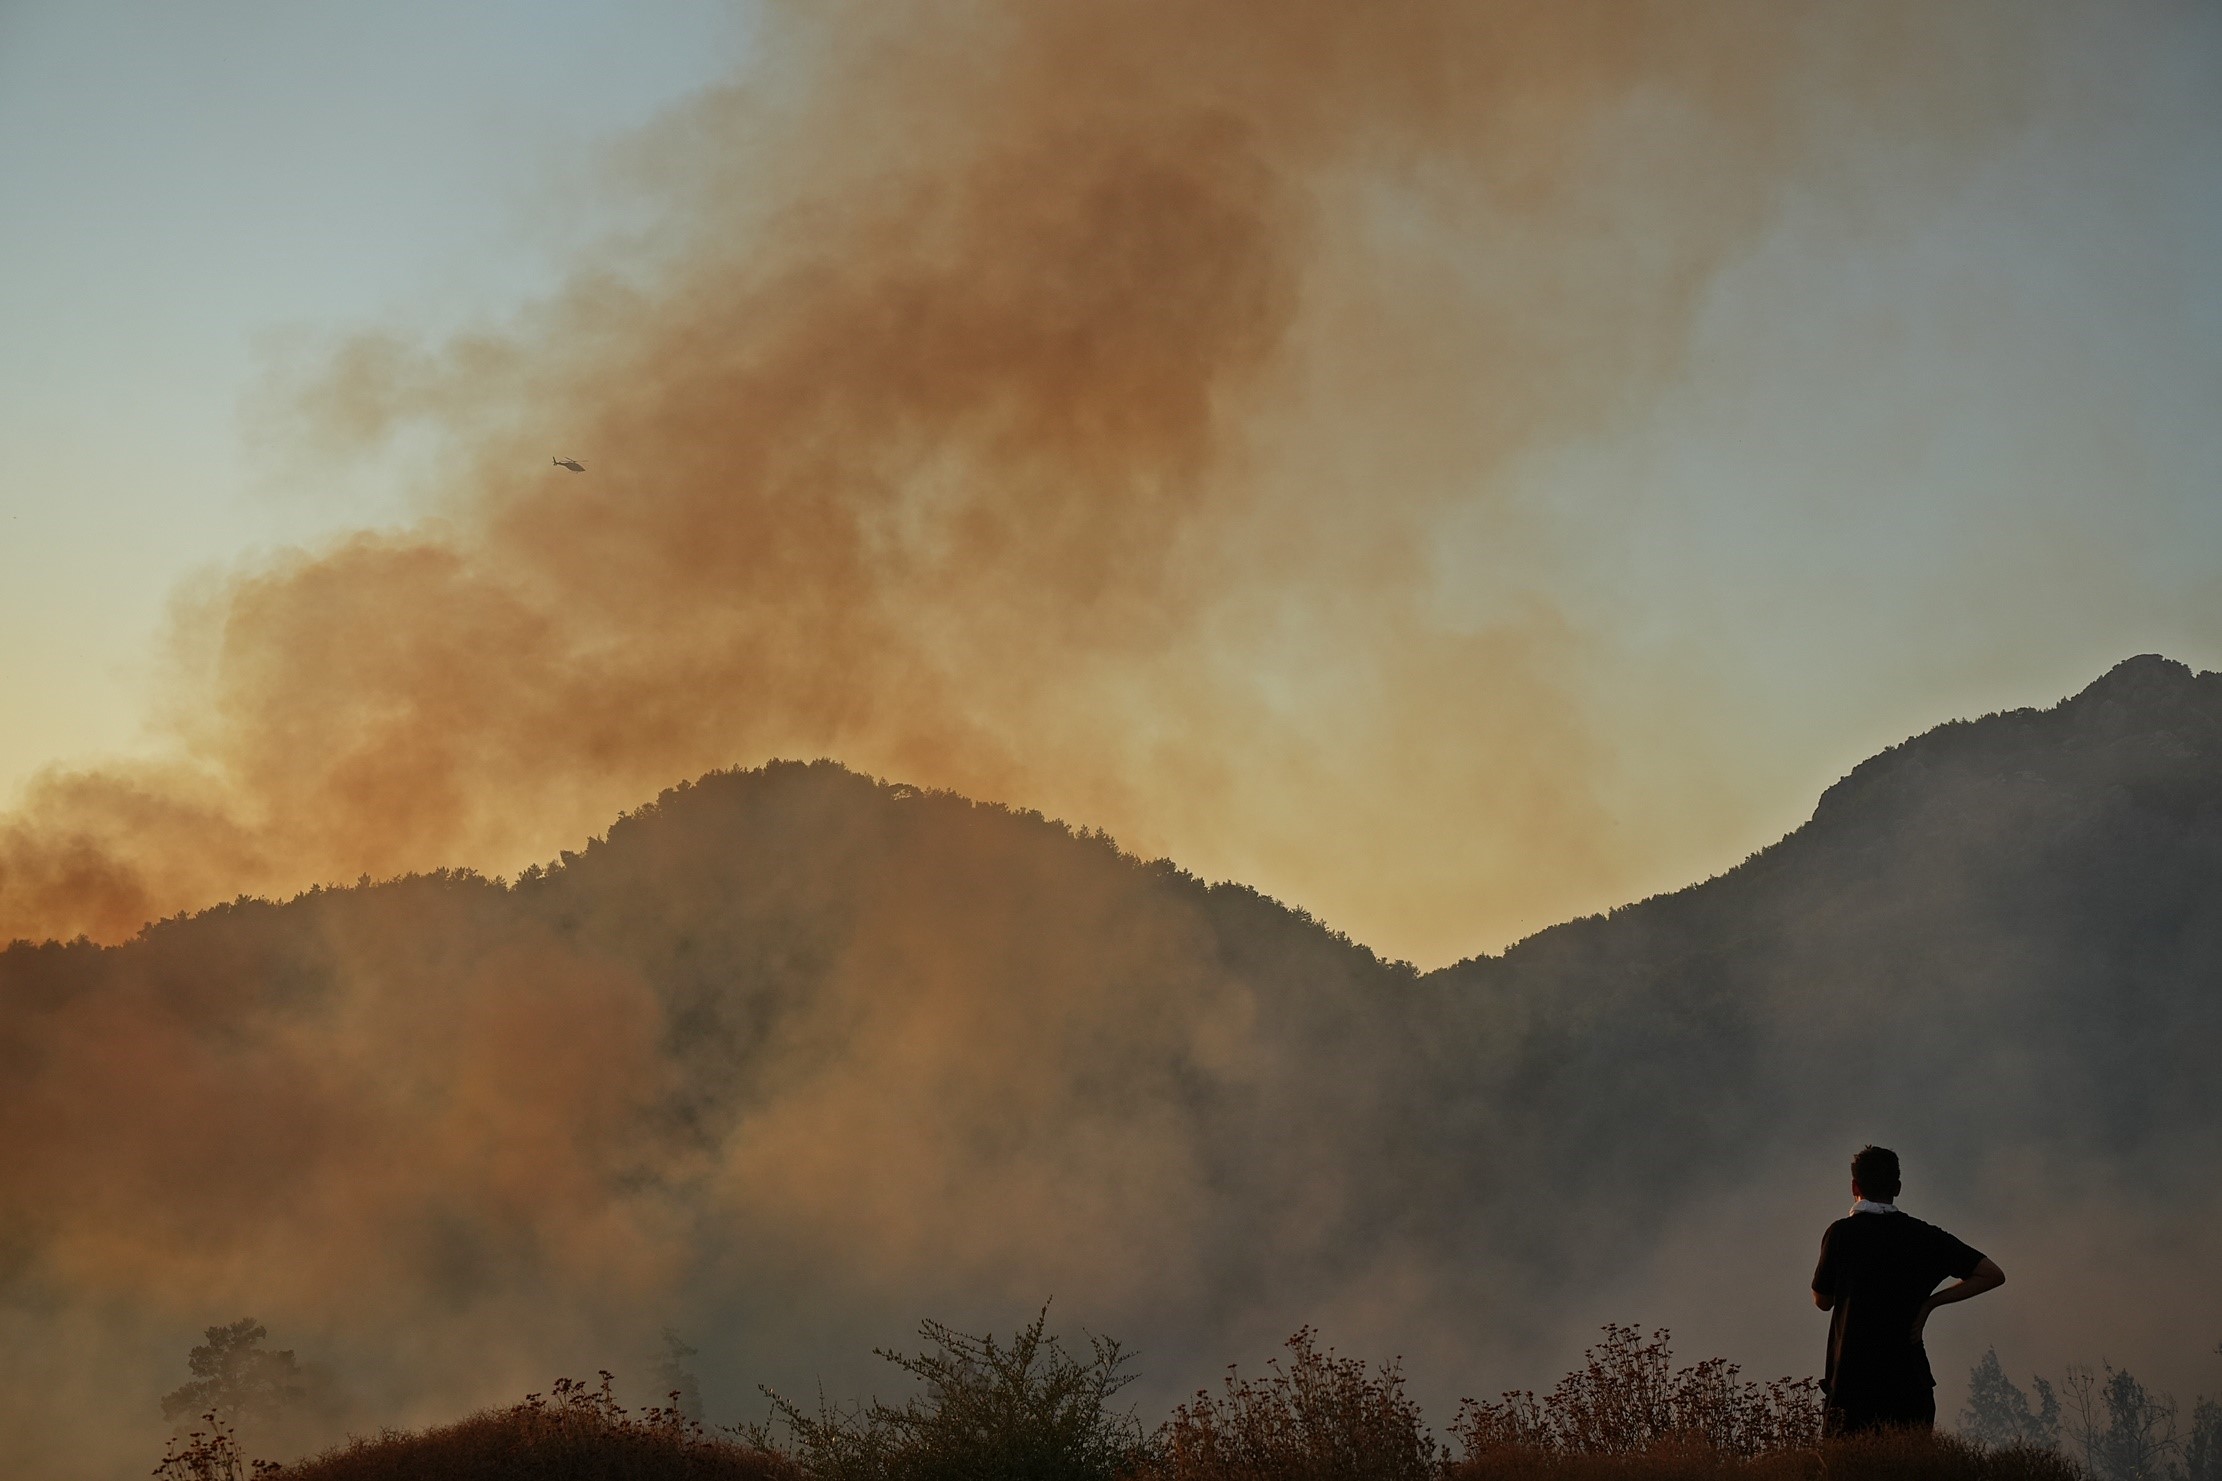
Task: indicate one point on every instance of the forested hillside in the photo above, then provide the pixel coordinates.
(2000, 941)
(792, 1056)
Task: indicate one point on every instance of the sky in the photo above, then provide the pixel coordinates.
(1449, 512)
(189, 197)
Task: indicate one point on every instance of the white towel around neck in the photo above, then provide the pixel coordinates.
(1869, 1206)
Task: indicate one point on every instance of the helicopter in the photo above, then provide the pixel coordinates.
(571, 463)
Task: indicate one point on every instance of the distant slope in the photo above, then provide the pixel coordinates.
(792, 1056)
(2001, 936)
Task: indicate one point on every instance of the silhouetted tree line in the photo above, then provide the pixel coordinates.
(2118, 1429)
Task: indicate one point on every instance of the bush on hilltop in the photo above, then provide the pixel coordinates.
(1628, 1398)
(1320, 1418)
(1025, 1411)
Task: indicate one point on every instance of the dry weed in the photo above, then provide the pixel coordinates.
(1319, 1418)
(1629, 1399)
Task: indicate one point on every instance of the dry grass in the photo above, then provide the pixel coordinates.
(580, 1434)
(1900, 1456)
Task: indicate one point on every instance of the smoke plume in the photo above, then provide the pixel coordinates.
(1056, 403)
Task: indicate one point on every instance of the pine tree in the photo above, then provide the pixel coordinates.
(235, 1378)
(675, 1378)
(2202, 1452)
(1998, 1412)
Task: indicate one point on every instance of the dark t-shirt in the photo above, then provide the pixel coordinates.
(1880, 1268)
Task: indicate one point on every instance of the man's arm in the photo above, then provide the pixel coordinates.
(1985, 1277)
(1824, 1273)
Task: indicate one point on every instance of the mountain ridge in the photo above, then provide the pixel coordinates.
(2152, 685)
(790, 1055)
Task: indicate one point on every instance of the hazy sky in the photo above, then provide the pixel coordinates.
(189, 194)
(1934, 431)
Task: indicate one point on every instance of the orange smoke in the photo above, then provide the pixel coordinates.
(1053, 402)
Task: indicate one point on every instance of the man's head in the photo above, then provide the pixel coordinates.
(1875, 1174)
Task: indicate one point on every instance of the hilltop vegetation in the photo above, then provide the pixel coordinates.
(1027, 1410)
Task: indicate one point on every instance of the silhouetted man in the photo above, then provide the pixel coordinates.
(1878, 1281)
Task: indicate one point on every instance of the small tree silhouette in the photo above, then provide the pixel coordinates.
(1998, 1412)
(235, 1378)
(2202, 1451)
(675, 1378)
(2126, 1432)
(2202, 1448)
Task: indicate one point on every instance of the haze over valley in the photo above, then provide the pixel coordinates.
(793, 1056)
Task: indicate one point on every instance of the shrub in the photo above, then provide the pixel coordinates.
(1028, 1411)
(1320, 1418)
(1629, 1399)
